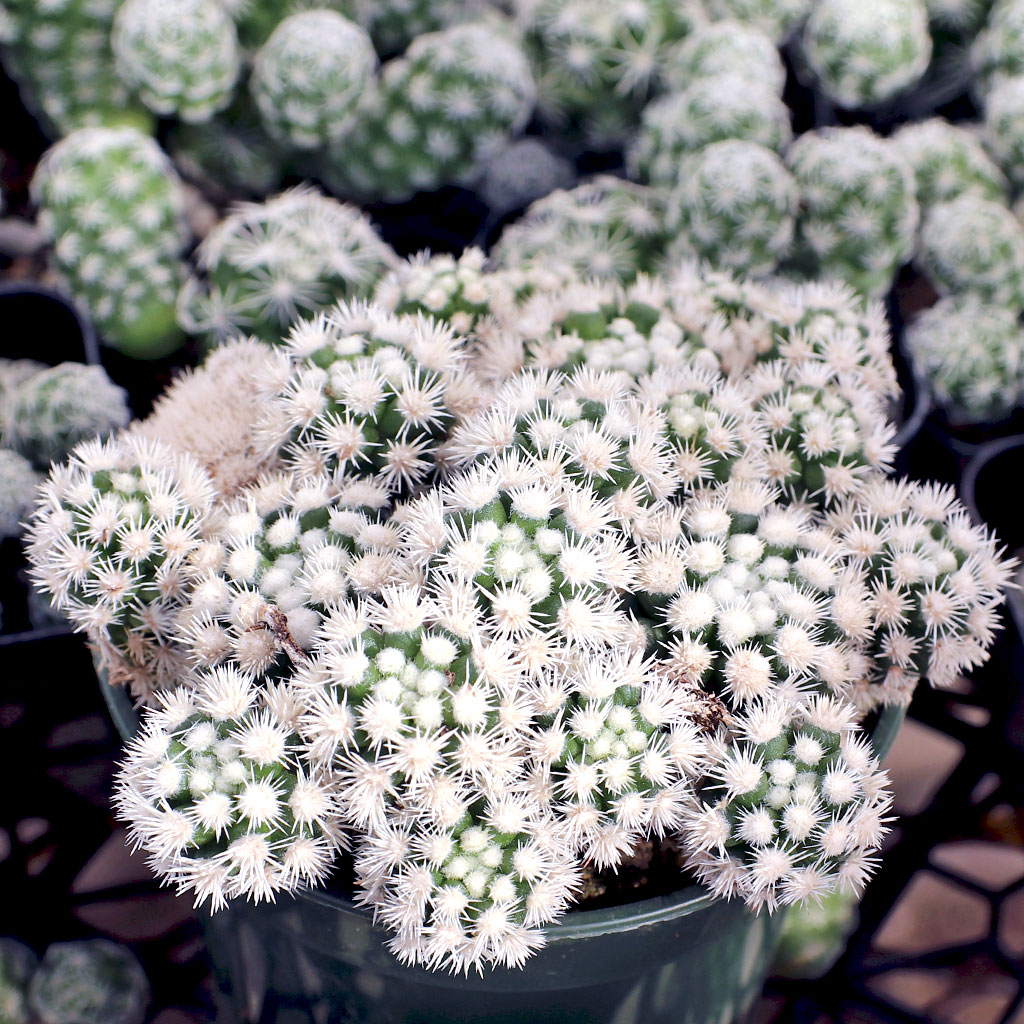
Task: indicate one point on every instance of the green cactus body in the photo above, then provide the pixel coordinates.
(778, 19)
(973, 355)
(949, 161)
(865, 54)
(90, 982)
(974, 245)
(17, 964)
(440, 111)
(60, 54)
(18, 484)
(268, 264)
(59, 407)
(309, 76)
(605, 228)
(114, 207)
(180, 56)
(1004, 129)
(735, 205)
(859, 215)
(998, 51)
(723, 48)
(714, 109)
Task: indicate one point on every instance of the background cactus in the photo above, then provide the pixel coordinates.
(268, 264)
(18, 483)
(309, 77)
(858, 212)
(17, 963)
(179, 56)
(735, 206)
(406, 140)
(948, 161)
(59, 53)
(1004, 128)
(998, 51)
(91, 982)
(712, 109)
(725, 48)
(974, 245)
(58, 407)
(777, 19)
(973, 355)
(604, 228)
(114, 207)
(866, 54)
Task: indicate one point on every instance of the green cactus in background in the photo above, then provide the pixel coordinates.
(865, 53)
(18, 483)
(269, 264)
(998, 51)
(17, 964)
(440, 111)
(735, 206)
(973, 355)
(1004, 129)
(949, 160)
(90, 982)
(114, 207)
(309, 77)
(859, 215)
(604, 228)
(714, 109)
(180, 56)
(778, 19)
(59, 53)
(394, 24)
(974, 245)
(723, 48)
(58, 407)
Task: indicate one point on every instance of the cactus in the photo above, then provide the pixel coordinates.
(604, 228)
(949, 161)
(268, 264)
(360, 393)
(1004, 129)
(976, 245)
(440, 111)
(13, 373)
(89, 982)
(713, 109)
(309, 76)
(59, 52)
(17, 964)
(859, 216)
(58, 407)
(114, 207)
(803, 804)
(973, 355)
(725, 48)
(18, 483)
(522, 172)
(864, 55)
(219, 795)
(394, 24)
(998, 51)
(109, 542)
(180, 56)
(958, 18)
(777, 19)
(734, 205)
(599, 60)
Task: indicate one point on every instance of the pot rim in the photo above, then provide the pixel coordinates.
(90, 343)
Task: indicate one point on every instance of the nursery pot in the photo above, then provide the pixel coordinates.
(682, 958)
(43, 324)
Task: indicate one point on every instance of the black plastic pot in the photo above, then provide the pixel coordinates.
(987, 488)
(683, 957)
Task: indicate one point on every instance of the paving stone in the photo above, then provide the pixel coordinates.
(993, 865)
(933, 913)
(921, 759)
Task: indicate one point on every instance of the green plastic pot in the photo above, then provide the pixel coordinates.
(685, 958)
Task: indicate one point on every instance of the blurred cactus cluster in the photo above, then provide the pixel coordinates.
(475, 568)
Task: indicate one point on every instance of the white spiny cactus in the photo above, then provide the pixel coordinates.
(18, 483)
(1004, 128)
(974, 245)
(863, 55)
(309, 77)
(778, 19)
(723, 48)
(973, 355)
(269, 264)
(180, 56)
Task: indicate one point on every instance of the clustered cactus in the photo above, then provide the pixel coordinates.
(475, 600)
(114, 206)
